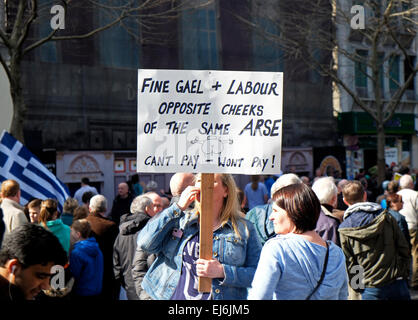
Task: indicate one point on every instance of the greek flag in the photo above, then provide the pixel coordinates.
(35, 180)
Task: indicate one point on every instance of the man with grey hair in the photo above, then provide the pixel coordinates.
(157, 201)
(125, 245)
(327, 224)
(98, 204)
(105, 231)
(142, 260)
(259, 215)
(410, 212)
(283, 181)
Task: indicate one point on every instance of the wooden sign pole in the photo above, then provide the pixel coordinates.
(206, 226)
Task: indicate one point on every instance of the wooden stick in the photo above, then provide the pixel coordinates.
(206, 226)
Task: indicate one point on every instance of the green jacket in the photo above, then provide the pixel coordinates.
(61, 231)
(379, 247)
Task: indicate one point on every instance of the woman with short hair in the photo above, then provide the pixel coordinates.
(298, 264)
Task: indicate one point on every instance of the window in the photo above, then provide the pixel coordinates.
(380, 62)
(78, 20)
(199, 38)
(409, 64)
(266, 54)
(118, 48)
(48, 51)
(394, 73)
(360, 71)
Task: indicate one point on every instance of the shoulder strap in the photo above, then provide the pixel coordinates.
(322, 275)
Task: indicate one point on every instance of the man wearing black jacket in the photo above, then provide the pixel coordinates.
(2, 227)
(125, 245)
(122, 203)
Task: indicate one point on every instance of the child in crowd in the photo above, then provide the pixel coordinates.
(86, 261)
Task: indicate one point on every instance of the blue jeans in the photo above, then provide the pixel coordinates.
(397, 290)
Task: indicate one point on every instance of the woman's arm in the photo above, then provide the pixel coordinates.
(267, 274)
(152, 236)
(230, 275)
(242, 276)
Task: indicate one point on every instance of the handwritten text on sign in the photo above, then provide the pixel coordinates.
(209, 121)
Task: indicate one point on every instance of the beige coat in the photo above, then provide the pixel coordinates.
(13, 214)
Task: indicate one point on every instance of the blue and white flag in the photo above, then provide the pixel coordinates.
(35, 180)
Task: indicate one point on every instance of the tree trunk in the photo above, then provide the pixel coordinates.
(19, 106)
(381, 163)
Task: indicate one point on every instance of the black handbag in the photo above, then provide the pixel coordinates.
(322, 275)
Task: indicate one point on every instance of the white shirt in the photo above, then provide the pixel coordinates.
(410, 207)
(79, 193)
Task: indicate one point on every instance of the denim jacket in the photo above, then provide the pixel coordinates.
(166, 235)
(260, 217)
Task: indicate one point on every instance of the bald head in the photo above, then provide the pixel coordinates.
(123, 190)
(156, 200)
(181, 181)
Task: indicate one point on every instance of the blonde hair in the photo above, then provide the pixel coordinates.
(353, 192)
(230, 208)
(70, 205)
(9, 188)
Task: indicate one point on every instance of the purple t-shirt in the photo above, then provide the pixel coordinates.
(187, 288)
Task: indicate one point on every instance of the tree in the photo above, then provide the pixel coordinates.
(320, 33)
(19, 20)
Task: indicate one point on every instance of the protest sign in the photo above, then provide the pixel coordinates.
(391, 156)
(209, 121)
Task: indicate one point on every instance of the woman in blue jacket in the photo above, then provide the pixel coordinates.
(298, 264)
(174, 236)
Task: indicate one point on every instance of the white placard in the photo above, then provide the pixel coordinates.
(391, 156)
(209, 121)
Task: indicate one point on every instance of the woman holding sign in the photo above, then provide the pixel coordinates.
(174, 236)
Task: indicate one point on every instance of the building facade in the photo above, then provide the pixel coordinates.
(81, 94)
(357, 127)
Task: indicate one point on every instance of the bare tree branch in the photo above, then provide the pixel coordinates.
(396, 98)
(6, 68)
(127, 11)
(28, 23)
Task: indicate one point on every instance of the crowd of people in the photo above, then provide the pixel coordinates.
(281, 237)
